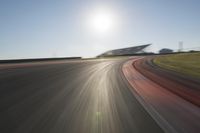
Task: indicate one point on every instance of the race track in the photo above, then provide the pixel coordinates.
(70, 97)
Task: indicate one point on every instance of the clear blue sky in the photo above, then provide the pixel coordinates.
(49, 28)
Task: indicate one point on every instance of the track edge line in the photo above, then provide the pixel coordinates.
(167, 128)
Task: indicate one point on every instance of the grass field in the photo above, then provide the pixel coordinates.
(185, 63)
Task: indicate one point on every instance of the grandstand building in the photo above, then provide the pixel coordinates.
(126, 51)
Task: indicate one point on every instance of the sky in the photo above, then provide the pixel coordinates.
(64, 28)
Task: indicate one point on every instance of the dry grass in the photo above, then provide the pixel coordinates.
(185, 63)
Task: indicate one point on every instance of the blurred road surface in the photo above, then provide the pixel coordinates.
(70, 97)
(164, 94)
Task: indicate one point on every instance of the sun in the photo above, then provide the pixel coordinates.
(102, 22)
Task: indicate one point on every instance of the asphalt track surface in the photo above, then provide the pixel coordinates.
(70, 97)
(184, 86)
(171, 99)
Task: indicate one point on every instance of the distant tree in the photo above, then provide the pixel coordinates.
(165, 51)
(193, 51)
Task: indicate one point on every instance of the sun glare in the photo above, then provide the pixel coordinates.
(101, 22)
